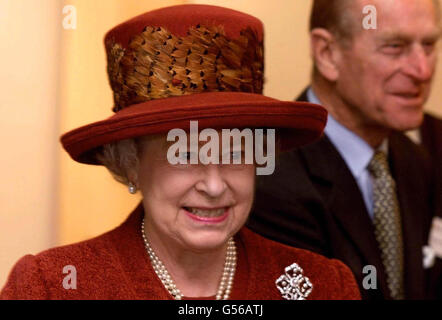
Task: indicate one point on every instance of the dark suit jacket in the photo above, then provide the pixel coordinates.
(312, 201)
(431, 134)
(431, 141)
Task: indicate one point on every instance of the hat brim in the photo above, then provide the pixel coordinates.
(297, 123)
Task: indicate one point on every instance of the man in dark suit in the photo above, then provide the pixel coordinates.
(364, 193)
(429, 137)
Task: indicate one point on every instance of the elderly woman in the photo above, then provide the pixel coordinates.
(171, 70)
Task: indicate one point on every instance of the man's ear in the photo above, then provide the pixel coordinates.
(325, 53)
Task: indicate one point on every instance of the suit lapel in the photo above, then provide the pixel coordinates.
(342, 196)
(303, 96)
(411, 203)
(344, 201)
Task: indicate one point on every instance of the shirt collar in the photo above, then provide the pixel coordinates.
(356, 153)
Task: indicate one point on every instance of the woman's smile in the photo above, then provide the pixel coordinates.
(207, 215)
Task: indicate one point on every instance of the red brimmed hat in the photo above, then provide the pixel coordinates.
(190, 62)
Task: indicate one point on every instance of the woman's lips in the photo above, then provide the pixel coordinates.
(207, 215)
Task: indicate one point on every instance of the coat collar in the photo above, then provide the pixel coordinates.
(134, 261)
(137, 269)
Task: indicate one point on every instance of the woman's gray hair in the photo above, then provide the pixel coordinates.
(121, 159)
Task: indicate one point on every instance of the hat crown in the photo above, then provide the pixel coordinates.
(183, 50)
(179, 19)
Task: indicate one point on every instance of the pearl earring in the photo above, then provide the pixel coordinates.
(132, 188)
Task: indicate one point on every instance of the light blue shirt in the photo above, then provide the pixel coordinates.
(356, 153)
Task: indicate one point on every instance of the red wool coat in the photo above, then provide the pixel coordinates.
(115, 265)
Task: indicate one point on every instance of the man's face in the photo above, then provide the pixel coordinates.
(385, 74)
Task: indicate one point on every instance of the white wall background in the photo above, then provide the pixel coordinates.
(29, 37)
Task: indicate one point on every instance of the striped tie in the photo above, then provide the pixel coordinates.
(387, 222)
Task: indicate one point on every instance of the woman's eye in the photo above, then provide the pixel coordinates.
(236, 154)
(185, 155)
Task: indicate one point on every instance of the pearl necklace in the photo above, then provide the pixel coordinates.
(225, 286)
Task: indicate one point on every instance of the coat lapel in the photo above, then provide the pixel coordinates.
(344, 201)
(134, 261)
(137, 269)
(341, 194)
(303, 96)
(409, 182)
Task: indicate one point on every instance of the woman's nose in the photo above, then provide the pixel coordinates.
(212, 182)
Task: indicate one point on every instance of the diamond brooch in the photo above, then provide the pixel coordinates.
(293, 285)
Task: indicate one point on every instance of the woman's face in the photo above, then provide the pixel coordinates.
(194, 206)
